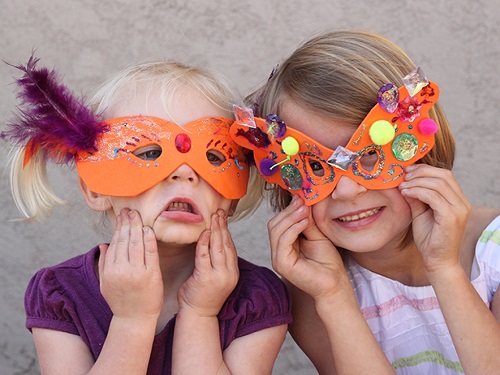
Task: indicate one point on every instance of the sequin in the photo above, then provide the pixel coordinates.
(182, 143)
(291, 176)
(275, 126)
(342, 158)
(255, 136)
(409, 109)
(415, 81)
(244, 116)
(388, 97)
(405, 146)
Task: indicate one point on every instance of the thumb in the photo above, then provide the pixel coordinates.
(312, 232)
(417, 207)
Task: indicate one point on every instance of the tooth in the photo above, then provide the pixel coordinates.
(362, 215)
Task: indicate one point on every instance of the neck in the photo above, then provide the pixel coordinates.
(176, 263)
(402, 264)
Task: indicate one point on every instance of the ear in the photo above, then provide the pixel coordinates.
(96, 201)
(232, 207)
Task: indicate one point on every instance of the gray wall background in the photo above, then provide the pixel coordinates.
(457, 43)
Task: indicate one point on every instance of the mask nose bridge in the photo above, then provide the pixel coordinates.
(347, 188)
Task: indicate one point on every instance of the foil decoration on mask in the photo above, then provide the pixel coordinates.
(397, 132)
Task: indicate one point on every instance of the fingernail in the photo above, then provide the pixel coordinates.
(145, 229)
(131, 214)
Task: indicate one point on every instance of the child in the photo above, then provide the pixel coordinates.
(168, 294)
(375, 248)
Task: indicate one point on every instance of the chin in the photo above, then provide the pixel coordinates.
(179, 235)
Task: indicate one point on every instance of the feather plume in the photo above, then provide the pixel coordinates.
(50, 118)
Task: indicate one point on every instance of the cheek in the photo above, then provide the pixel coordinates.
(319, 214)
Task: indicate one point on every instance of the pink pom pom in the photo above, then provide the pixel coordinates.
(428, 127)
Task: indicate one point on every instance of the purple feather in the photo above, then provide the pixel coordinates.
(51, 118)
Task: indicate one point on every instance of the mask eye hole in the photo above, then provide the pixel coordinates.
(150, 152)
(317, 168)
(369, 160)
(215, 157)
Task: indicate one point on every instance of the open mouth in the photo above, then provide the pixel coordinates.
(180, 206)
(182, 209)
(359, 216)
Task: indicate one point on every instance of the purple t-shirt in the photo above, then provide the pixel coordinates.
(67, 298)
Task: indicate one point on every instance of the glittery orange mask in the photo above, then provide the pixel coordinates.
(137, 152)
(396, 133)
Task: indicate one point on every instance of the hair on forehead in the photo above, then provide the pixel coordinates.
(170, 80)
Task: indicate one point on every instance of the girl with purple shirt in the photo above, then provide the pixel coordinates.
(168, 294)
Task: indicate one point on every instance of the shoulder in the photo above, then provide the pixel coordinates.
(260, 282)
(479, 219)
(53, 292)
(64, 272)
(260, 300)
(488, 244)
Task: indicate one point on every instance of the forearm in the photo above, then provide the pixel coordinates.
(197, 347)
(473, 328)
(127, 348)
(354, 347)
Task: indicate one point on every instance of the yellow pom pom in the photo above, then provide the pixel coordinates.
(381, 132)
(290, 146)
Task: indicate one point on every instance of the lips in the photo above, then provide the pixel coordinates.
(359, 216)
(182, 209)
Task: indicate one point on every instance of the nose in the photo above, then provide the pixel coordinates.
(184, 173)
(347, 189)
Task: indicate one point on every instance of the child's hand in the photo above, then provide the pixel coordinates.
(129, 270)
(215, 272)
(302, 254)
(439, 210)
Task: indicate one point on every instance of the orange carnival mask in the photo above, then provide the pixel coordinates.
(53, 124)
(396, 133)
(114, 169)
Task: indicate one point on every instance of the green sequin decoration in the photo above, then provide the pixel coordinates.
(291, 177)
(405, 146)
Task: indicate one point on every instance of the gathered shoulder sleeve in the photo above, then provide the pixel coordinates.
(259, 301)
(488, 256)
(47, 305)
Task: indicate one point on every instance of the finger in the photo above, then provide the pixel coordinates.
(151, 258)
(312, 232)
(202, 255)
(435, 193)
(136, 242)
(111, 251)
(284, 249)
(286, 226)
(439, 178)
(216, 246)
(103, 248)
(291, 209)
(123, 241)
(230, 252)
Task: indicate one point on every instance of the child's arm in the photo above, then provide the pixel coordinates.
(132, 285)
(197, 346)
(440, 212)
(328, 324)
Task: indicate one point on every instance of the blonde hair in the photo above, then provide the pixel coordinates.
(29, 184)
(338, 74)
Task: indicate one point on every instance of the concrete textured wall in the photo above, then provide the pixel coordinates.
(457, 43)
